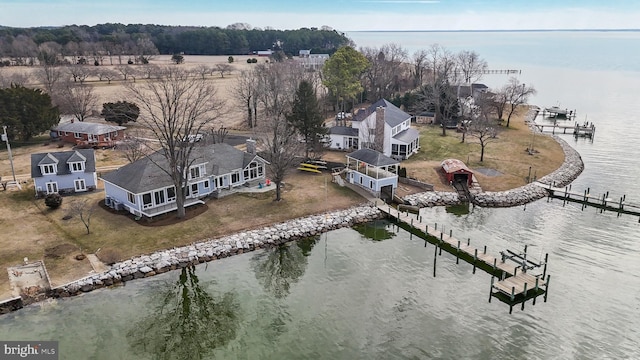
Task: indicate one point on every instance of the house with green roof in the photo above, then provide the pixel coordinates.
(144, 188)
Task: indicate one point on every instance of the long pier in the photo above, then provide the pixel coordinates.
(602, 202)
(515, 282)
(584, 130)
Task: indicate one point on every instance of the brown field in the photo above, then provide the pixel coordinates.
(30, 229)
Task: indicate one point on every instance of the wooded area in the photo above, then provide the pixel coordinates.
(24, 45)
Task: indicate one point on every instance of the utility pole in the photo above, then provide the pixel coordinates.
(6, 139)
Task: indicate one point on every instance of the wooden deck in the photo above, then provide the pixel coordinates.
(584, 130)
(513, 283)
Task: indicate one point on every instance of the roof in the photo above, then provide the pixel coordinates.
(147, 173)
(343, 130)
(393, 116)
(454, 165)
(88, 128)
(62, 158)
(407, 135)
(372, 157)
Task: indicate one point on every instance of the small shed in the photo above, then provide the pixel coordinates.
(456, 171)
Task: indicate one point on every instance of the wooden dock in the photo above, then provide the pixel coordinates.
(584, 130)
(602, 202)
(515, 284)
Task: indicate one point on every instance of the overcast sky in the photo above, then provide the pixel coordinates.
(343, 15)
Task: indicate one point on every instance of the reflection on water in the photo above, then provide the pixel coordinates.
(188, 322)
(376, 230)
(278, 268)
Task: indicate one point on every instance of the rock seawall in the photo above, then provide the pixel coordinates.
(569, 171)
(212, 249)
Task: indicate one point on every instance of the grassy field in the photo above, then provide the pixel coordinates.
(30, 229)
(507, 155)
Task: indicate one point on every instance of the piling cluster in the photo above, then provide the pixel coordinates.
(212, 249)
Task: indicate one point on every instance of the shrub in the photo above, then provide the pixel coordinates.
(230, 59)
(109, 256)
(53, 200)
(402, 172)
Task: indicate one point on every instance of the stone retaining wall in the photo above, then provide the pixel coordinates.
(569, 171)
(212, 249)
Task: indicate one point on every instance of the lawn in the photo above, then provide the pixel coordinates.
(507, 154)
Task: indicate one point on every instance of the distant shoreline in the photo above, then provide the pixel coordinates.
(496, 30)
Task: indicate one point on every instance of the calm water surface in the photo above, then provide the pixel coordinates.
(344, 296)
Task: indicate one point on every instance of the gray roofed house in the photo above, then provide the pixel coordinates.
(97, 134)
(64, 171)
(382, 126)
(373, 171)
(145, 189)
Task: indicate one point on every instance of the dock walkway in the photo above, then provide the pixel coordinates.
(515, 281)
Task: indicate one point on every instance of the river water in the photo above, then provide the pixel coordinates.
(345, 296)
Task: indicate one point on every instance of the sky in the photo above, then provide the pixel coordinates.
(342, 15)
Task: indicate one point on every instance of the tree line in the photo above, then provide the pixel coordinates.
(118, 42)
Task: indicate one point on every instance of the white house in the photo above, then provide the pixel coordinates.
(144, 189)
(383, 127)
(64, 172)
(374, 172)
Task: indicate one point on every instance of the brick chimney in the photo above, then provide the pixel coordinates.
(379, 130)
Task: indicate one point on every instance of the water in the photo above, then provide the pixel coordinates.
(349, 297)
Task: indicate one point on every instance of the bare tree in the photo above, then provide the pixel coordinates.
(126, 71)
(49, 76)
(49, 52)
(419, 67)
(277, 84)
(134, 147)
(223, 69)
(77, 99)
(174, 106)
(202, 70)
(384, 76)
(79, 73)
(106, 74)
(516, 94)
(148, 71)
(84, 210)
(471, 66)
(483, 129)
(246, 94)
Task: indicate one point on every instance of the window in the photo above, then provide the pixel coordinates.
(219, 182)
(394, 149)
(48, 169)
(370, 184)
(114, 134)
(253, 171)
(80, 185)
(196, 171)
(206, 184)
(171, 194)
(159, 197)
(131, 197)
(76, 166)
(52, 187)
(194, 189)
(146, 201)
(235, 177)
(77, 135)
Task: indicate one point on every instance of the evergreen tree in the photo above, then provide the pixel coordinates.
(120, 112)
(306, 118)
(342, 72)
(26, 112)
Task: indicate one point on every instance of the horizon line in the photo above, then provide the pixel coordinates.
(496, 30)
